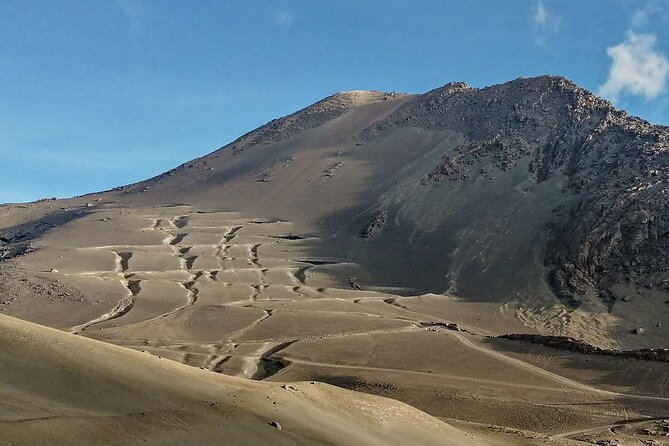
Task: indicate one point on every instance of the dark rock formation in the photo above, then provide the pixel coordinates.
(576, 345)
(377, 223)
(16, 240)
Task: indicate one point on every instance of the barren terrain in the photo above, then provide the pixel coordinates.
(362, 243)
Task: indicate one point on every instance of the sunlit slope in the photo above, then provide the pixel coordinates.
(73, 390)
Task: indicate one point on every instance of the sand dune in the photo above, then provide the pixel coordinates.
(72, 390)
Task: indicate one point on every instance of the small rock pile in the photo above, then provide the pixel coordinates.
(378, 222)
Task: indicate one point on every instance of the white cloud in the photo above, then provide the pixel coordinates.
(651, 11)
(284, 18)
(545, 21)
(639, 19)
(637, 68)
(540, 16)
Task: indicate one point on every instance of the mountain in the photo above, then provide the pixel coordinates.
(526, 190)
(494, 257)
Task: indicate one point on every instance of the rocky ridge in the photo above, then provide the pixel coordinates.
(377, 224)
(282, 129)
(310, 117)
(614, 221)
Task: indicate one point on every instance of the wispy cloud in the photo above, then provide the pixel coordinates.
(640, 18)
(540, 16)
(284, 18)
(637, 68)
(652, 11)
(135, 14)
(545, 21)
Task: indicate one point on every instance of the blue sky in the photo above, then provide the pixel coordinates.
(96, 94)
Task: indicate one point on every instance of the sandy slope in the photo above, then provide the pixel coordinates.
(243, 296)
(58, 388)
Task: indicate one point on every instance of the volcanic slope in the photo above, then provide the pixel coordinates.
(305, 250)
(534, 191)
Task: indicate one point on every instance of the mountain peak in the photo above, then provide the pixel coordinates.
(353, 98)
(454, 86)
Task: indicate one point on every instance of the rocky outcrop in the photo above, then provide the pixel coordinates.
(614, 220)
(378, 222)
(576, 345)
(16, 240)
(13, 250)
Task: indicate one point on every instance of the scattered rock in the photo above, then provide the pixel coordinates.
(313, 116)
(264, 176)
(448, 325)
(329, 172)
